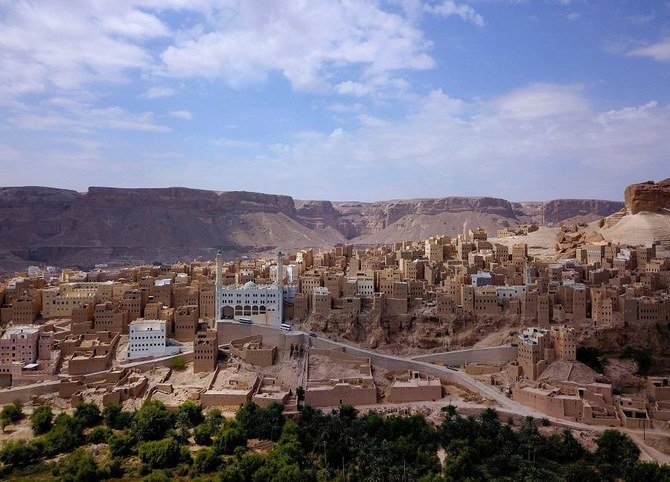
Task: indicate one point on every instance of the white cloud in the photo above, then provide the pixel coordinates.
(448, 8)
(346, 108)
(64, 45)
(159, 92)
(659, 51)
(182, 114)
(542, 100)
(60, 114)
(316, 45)
(236, 143)
(517, 139)
(573, 16)
(307, 42)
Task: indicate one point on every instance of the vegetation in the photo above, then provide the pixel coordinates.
(42, 419)
(179, 363)
(642, 358)
(10, 414)
(152, 444)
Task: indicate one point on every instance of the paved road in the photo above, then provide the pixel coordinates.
(509, 405)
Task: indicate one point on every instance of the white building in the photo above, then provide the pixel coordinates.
(365, 283)
(263, 304)
(148, 338)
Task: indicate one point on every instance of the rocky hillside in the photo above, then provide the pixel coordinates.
(46, 225)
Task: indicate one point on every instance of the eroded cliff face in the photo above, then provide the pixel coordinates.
(46, 225)
(648, 196)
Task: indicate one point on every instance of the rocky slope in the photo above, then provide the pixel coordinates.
(47, 225)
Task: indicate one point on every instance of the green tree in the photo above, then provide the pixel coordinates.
(159, 454)
(616, 454)
(229, 438)
(151, 421)
(157, 476)
(580, 471)
(206, 461)
(80, 466)
(121, 445)
(191, 412)
(98, 435)
(202, 434)
(115, 417)
(648, 471)
(262, 423)
(41, 419)
(10, 414)
(65, 435)
(88, 414)
(19, 453)
(642, 358)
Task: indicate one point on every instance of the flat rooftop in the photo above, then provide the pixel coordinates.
(18, 329)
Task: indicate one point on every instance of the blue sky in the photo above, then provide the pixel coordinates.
(350, 100)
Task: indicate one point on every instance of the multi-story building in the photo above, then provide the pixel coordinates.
(205, 351)
(148, 338)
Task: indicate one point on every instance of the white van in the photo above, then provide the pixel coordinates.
(285, 326)
(246, 321)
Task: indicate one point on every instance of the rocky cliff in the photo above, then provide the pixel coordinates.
(648, 196)
(46, 225)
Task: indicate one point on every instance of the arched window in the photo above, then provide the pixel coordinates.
(262, 310)
(254, 310)
(247, 310)
(238, 310)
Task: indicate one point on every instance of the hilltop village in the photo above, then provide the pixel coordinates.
(344, 326)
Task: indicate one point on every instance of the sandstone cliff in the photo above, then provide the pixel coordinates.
(64, 227)
(648, 196)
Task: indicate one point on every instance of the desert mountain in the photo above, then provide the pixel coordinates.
(64, 227)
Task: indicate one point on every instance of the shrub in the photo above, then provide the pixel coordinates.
(42, 419)
(65, 435)
(11, 413)
(179, 363)
(206, 461)
(80, 466)
(191, 412)
(111, 469)
(160, 454)
(202, 434)
(19, 453)
(98, 435)
(151, 422)
(88, 414)
(642, 358)
(157, 476)
(121, 445)
(616, 455)
(116, 418)
(229, 438)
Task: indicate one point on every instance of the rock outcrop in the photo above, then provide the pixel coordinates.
(648, 196)
(64, 227)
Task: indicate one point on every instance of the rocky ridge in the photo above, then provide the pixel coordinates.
(64, 227)
(648, 197)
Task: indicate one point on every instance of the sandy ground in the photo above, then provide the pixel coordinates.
(641, 228)
(540, 243)
(321, 368)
